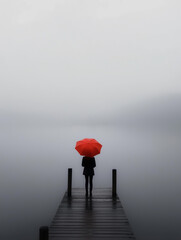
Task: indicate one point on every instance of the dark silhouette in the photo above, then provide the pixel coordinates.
(89, 164)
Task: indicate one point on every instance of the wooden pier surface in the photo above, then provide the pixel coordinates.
(98, 217)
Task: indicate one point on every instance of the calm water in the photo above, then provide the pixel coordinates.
(33, 176)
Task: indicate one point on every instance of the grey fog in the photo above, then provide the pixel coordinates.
(110, 70)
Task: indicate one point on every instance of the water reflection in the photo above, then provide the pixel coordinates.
(33, 176)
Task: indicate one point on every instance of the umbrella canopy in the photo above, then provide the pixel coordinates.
(88, 147)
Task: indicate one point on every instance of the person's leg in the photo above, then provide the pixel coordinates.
(91, 185)
(86, 184)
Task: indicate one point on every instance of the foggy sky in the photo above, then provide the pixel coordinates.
(113, 68)
(82, 58)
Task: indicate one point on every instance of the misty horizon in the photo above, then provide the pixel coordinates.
(74, 69)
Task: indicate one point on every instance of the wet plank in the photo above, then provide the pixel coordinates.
(98, 217)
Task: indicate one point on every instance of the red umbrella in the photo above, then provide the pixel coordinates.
(88, 147)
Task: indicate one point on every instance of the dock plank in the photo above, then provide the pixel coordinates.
(98, 217)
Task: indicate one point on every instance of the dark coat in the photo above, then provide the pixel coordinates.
(89, 164)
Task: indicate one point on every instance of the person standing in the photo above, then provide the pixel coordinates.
(89, 164)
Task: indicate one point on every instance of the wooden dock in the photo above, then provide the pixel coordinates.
(98, 217)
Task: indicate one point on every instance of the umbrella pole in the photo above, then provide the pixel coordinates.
(114, 182)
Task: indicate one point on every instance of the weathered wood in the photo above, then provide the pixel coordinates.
(69, 187)
(98, 217)
(114, 183)
(44, 233)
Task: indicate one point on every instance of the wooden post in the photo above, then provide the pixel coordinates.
(114, 183)
(69, 190)
(43, 233)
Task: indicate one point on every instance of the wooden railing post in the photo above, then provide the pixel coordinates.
(43, 233)
(114, 182)
(69, 189)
